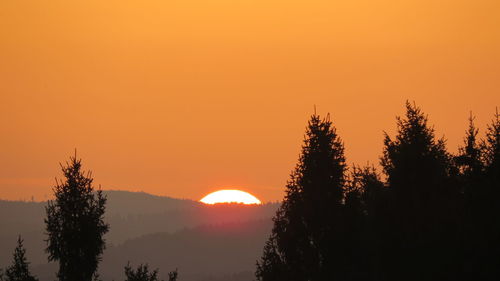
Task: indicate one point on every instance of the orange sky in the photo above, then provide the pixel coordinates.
(182, 97)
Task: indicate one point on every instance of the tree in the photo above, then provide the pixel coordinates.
(366, 209)
(470, 165)
(470, 158)
(271, 265)
(423, 237)
(142, 273)
(307, 238)
(19, 270)
(488, 209)
(75, 224)
(492, 151)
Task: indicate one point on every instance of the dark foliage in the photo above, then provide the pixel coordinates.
(424, 203)
(434, 216)
(75, 224)
(481, 180)
(19, 270)
(307, 241)
(143, 273)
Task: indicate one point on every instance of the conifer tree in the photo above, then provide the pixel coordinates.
(355, 219)
(75, 224)
(424, 200)
(470, 158)
(366, 208)
(492, 151)
(489, 208)
(19, 270)
(271, 265)
(307, 238)
(470, 165)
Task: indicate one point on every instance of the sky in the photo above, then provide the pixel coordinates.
(184, 97)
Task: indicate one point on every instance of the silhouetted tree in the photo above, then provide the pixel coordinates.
(470, 158)
(487, 207)
(143, 273)
(492, 149)
(470, 164)
(172, 275)
(19, 270)
(366, 206)
(423, 237)
(307, 238)
(75, 224)
(355, 229)
(271, 265)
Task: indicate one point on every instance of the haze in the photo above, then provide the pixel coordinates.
(182, 98)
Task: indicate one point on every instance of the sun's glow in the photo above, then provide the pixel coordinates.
(230, 196)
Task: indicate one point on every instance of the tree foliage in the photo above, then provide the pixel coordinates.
(424, 200)
(306, 241)
(143, 273)
(75, 224)
(19, 270)
(430, 215)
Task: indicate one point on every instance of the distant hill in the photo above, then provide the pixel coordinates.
(137, 218)
(124, 203)
(212, 252)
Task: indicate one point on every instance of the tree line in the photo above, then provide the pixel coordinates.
(429, 214)
(75, 229)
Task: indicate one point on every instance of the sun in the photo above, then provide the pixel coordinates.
(230, 196)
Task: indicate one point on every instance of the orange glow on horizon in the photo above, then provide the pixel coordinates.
(174, 97)
(230, 196)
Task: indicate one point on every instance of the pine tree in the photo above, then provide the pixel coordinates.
(75, 224)
(19, 270)
(306, 240)
(424, 201)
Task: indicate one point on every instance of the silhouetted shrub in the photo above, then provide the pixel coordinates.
(143, 273)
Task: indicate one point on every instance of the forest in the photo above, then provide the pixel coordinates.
(422, 213)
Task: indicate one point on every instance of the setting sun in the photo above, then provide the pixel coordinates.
(230, 196)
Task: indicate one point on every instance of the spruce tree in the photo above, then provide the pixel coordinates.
(366, 206)
(492, 152)
(19, 270)
(75, 224)
(307, 238)
(422, 241)
(489, 217)
(470, 165)
(470, 158)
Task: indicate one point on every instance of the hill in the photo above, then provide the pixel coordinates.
(148, 228)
